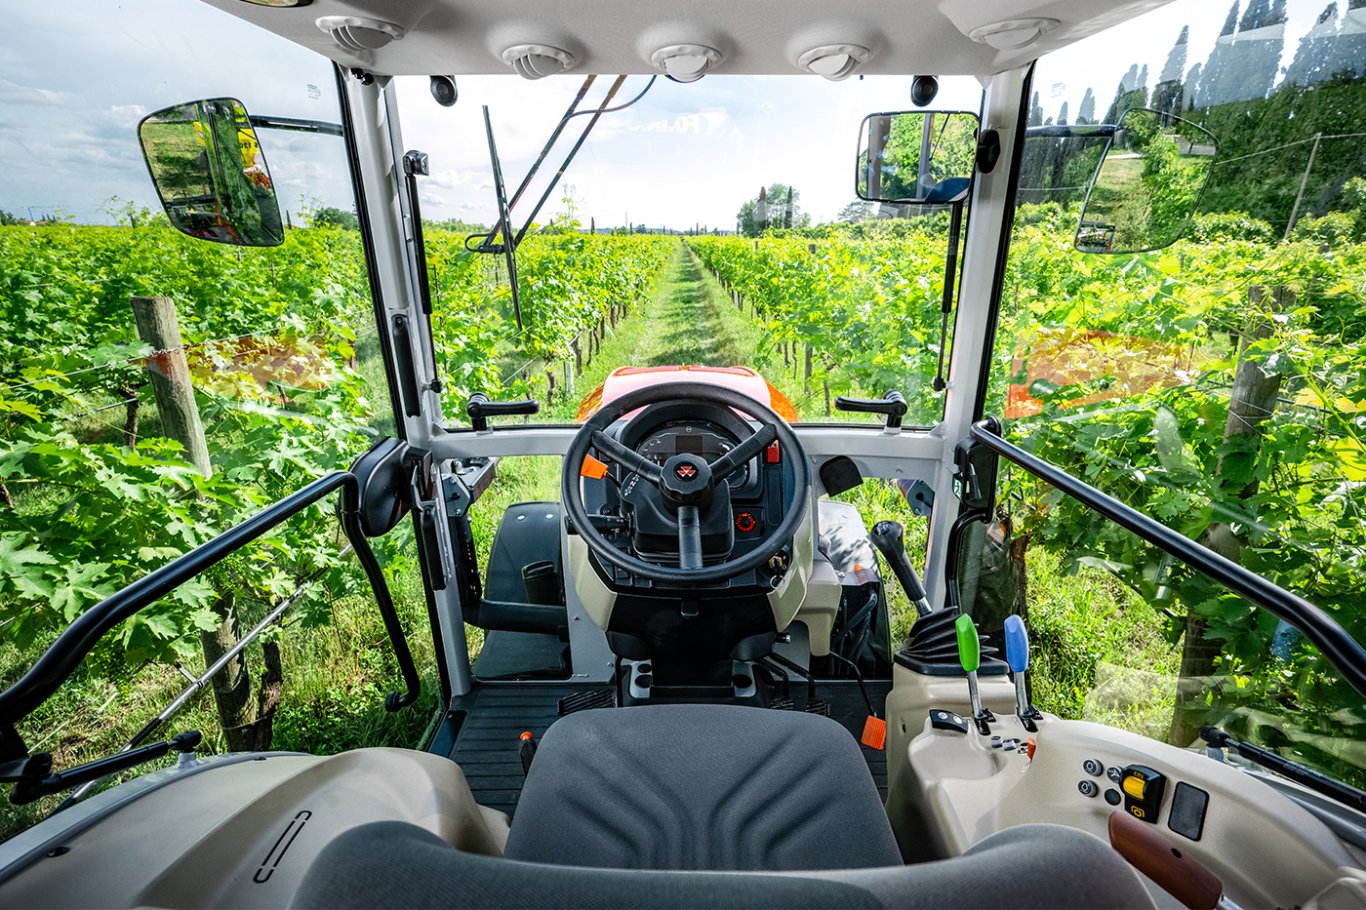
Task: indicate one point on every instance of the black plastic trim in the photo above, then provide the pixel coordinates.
(407, 366)
(1318, 627)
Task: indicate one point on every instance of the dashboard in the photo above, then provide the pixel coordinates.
(692, 438)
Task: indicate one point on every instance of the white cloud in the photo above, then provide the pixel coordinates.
(14, 93)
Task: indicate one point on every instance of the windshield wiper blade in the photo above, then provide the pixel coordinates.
(1314, 780)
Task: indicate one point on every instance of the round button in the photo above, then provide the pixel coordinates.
(1114, 774)
(1093, 767)
(1112, 797)
(1087, 788)
(744, 522)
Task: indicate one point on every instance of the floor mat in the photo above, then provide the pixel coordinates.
(522, 655)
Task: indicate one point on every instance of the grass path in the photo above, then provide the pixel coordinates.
(688, 320)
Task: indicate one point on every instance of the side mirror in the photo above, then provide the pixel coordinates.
(923, 157)
(210, 172)
(1148, 183)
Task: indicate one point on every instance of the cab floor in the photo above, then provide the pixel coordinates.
(481, 729)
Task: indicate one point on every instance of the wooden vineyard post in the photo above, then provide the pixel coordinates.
(1252, 402)
(246, 722)
(157, 325)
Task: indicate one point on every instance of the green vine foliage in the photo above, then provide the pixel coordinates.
(1120, 370)
(282, 349)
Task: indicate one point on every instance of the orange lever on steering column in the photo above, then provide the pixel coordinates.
(593, 468)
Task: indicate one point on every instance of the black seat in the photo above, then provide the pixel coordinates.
(718, 787)
(398, 865)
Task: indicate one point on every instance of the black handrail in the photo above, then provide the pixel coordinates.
(1321, 629)
(65, 654)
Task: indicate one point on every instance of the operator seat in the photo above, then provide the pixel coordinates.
(718, 787)
(658, 798)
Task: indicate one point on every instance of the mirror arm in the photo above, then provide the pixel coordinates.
(1072, 131)
(295, 125)
(508, 247)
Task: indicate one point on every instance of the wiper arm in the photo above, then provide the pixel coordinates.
(1314, 780)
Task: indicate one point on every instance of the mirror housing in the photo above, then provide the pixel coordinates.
(916, 157)
(211, 174)
(1147, 185)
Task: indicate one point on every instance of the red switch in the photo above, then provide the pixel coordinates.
(772, 455)
(744, 523)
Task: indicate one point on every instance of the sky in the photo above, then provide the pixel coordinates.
(75, 78)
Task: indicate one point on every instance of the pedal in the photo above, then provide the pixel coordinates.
(588, 700)
(818, 706)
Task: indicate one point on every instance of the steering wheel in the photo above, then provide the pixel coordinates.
(684, 482)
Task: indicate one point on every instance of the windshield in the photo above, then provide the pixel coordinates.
(708, 224)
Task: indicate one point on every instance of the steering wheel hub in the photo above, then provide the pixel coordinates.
(686, 480)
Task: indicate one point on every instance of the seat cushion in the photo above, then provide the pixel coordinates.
(398, 865)
(716, 787)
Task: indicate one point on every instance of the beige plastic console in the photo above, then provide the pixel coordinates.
(242, 834)
(1266, 849)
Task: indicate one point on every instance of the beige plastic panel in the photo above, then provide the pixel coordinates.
(1266, 849)
(597, 599)
(821, 605)
(244, 834)
(908, 706)
(787, 598)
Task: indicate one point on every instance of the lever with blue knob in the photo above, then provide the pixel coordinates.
(970, 656)
(1017, 656)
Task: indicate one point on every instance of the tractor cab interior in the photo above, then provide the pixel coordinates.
(735, 649)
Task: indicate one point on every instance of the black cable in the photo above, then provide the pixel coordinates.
(612, 110)
(858, 675)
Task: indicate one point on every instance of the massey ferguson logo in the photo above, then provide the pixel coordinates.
(685, 472)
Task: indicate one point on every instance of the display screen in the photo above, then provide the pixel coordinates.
(694, 445)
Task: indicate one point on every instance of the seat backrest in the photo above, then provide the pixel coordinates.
(395, 864)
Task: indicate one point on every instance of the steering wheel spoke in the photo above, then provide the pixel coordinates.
(762, 439)
(629, 459)
(689, 538)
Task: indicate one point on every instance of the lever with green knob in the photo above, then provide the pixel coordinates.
(970, 657)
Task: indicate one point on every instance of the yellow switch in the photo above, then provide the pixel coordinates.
(1135, 786)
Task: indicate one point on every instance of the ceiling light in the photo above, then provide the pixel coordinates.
(536, 61)
(280, 4)
(834, 61)
(1012, 33)
(685, 62)
(360, 33)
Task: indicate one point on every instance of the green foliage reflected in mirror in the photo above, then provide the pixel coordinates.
(921, 157)
(211, 173)
(1148, 184)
